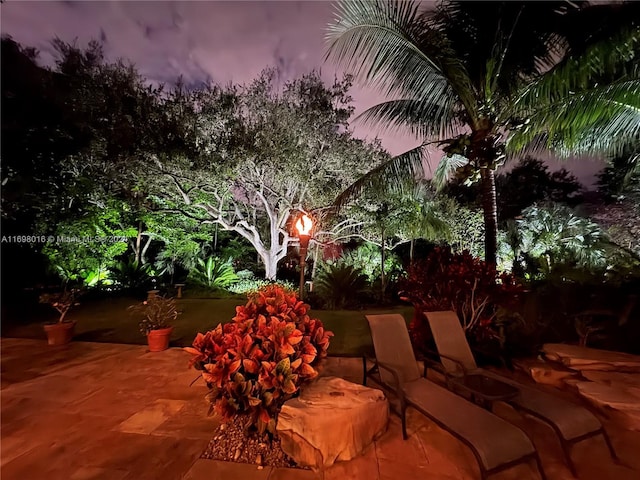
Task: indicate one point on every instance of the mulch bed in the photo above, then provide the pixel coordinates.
(232, 443)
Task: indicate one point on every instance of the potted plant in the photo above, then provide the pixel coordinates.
(156, 314)
(61, 332)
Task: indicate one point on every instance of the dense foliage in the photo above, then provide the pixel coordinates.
(469, 286)
(259, 152)
(257, 362)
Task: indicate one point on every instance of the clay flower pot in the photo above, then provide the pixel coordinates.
(159, 339)
(59, 333)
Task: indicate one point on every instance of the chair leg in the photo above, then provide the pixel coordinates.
(364, 370)
(403, 416)
(543, 476)
(566, 448)
(609, 445)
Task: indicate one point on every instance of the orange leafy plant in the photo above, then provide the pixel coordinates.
(260, 360)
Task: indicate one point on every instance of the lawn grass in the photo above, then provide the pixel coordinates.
(107, 320)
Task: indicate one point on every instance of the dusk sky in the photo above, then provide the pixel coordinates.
(221, 41)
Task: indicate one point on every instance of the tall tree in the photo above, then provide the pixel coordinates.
(480, 79)
(260, 155)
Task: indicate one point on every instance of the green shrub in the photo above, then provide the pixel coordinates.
(214, 273)
(367, 259)
(129, 273)
(464, 284)
(340, 285)
(248, 283)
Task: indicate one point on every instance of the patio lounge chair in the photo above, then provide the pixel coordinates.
(495, 443)
(571, 423)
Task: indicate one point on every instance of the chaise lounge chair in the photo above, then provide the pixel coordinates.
(570, 422)
(495, 443)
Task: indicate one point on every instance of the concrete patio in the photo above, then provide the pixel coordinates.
(110, 411)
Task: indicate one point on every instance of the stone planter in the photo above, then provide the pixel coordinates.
(158, 340)
(332, 420)
(59, 333)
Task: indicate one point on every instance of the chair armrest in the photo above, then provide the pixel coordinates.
(392, 371)
(396, 380)
(440, 368)
(434, 365)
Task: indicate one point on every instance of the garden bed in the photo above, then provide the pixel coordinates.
(231, 443)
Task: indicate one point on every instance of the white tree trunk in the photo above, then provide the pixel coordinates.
(270, 265)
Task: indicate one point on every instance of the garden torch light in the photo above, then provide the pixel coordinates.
(303, 226)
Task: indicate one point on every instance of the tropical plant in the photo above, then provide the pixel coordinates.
(366, 257)
(214, 273)
(339, 285)
(465, 226)
(459, 282)
(84, 249)
(95, 278)
(63, 301)
(482, 79)
(547, 237)
(129, 273)
(254, 364)
(155, 313)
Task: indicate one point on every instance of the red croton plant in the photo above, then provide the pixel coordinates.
(462, 283)
(257, 362)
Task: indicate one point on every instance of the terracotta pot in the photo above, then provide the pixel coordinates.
(59, 333)
(159, 339)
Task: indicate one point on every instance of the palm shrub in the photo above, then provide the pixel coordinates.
(130, 273)
(340, 284)
(214, 273)
(549, 238)
(460, 282)
(254, 364)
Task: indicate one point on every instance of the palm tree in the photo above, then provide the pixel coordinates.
(482, 80)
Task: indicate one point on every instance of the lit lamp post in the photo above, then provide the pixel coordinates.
(303, 226)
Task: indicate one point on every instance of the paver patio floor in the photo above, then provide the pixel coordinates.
(108, 411)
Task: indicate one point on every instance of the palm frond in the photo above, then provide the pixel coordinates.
(513, 39)
(603, 120)
(390, 46)
(389, 176)
(427, 118)
(604, 62)
(446, 167)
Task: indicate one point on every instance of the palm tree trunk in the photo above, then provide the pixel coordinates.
(382, 276)
(490, 211)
